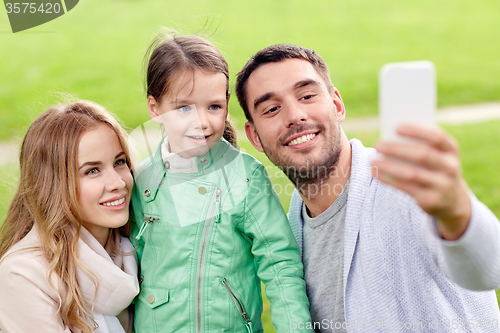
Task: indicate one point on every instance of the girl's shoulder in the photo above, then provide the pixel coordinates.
(241, 160)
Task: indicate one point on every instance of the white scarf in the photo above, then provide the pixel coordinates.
(117, 280)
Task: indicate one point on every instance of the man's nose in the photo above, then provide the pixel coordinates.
(294, 114)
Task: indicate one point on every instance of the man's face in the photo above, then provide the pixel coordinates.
(295, 118)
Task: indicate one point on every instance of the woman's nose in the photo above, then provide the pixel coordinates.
(115, 181)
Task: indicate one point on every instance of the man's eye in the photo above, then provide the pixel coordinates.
(214, 107)
(307, 97)
(184, 108)
(273, 109)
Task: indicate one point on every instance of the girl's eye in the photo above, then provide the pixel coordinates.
(184, 108)
(215, 107)
(92, 171)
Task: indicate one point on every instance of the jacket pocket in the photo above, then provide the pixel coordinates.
(153, 297)
(239, 305)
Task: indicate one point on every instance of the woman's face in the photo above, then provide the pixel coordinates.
(105, 182)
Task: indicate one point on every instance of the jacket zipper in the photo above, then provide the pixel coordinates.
(147, 221)
(204, 238)
(239, 306)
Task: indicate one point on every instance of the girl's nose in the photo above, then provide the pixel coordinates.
(203, 119)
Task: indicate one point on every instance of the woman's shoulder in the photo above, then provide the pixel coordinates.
(25, 263)
(26, 250)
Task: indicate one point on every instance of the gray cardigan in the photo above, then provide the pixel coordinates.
(398, 274)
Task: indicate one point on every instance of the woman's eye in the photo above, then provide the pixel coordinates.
(184, 108)
(214, 107)
(120, 162)
(92, 171)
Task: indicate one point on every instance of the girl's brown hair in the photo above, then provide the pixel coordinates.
(47, 196)
(168, 55)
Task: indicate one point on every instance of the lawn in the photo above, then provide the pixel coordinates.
(95, 51)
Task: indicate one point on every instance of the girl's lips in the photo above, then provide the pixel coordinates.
(199, 140)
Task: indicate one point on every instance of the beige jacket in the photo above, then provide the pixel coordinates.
(28, 303)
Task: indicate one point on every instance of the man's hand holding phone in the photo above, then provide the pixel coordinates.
(418, 157)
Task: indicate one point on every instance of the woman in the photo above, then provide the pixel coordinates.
(66, 263)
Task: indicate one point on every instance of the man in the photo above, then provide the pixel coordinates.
(389, 242)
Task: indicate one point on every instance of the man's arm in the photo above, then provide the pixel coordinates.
(430, 171)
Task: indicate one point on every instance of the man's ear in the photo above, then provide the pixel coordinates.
(339, 105)
(252, 136)
(153, 109)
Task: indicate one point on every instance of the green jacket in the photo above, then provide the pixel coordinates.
(206, 240)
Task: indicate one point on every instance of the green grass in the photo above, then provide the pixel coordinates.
(95, 51)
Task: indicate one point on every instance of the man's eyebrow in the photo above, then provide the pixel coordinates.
(297, 85)
(262, 99)
(304, 83)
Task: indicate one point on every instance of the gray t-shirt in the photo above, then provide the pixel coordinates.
(323, 258)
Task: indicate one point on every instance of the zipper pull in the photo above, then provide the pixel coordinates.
(217, 202)
(147, 221)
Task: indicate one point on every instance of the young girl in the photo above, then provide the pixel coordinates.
(66, 264)
(209, 226)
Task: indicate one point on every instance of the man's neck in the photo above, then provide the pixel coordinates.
(330, 188)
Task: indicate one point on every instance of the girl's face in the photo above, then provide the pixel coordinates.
(193, 113)
(104, 180)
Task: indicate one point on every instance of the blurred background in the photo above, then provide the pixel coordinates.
(96, 51)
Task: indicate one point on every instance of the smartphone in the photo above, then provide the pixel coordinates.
(407, 95)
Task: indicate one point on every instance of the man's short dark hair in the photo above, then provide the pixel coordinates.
(277, 53)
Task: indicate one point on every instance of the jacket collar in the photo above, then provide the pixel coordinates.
(360, 180)
(152, 175)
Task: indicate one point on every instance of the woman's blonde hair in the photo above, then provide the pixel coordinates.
(47, 196)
